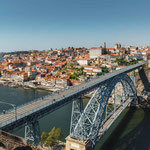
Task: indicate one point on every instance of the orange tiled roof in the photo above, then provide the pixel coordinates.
(76, 81)
(81, 59)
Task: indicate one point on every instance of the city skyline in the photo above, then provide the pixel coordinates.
(48, 24)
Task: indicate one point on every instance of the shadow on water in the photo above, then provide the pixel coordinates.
(136, 139)
(118, 130)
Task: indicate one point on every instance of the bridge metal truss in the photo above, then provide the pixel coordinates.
(77, 108)
(86, 124)
(32, 132)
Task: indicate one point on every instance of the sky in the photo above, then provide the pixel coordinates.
(45, 24)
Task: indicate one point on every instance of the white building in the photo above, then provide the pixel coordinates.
(95, 52)
(92, 70)
(120, 67)
(83, 61)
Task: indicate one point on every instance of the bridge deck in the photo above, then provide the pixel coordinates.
(113, 117)
(57, 99)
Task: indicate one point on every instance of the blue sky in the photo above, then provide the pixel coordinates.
(44, 24)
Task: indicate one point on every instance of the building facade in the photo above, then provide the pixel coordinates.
(95, 52)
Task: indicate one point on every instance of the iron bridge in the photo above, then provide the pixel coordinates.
(112, 93)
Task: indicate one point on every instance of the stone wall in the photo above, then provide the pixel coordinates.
(11, 141)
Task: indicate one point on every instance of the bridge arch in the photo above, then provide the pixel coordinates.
(93, 116)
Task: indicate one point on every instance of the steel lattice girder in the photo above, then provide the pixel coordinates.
(91, 119)
(89, 113)
(77, 108)
(32, 132)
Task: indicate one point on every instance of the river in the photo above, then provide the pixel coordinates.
(129, 132)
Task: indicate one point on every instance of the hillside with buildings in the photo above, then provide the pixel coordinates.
(60, 68)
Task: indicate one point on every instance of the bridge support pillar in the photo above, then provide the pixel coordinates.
(144, 79)
(77, 108)
(32, 133)
(74, 144)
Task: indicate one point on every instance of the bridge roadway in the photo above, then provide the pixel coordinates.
(113, 117)
(40, 108)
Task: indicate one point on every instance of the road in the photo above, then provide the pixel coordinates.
(114, 116)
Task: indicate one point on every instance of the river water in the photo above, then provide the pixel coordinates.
(131, 131)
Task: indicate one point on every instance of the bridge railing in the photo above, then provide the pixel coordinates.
(22, 105)
(53, 93)
(33, 110)
(49, 95)
(38, 99)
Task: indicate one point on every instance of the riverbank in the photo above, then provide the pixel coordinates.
(26, 85)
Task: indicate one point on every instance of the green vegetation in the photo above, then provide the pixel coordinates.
(51, 139)
(43, 137)
(79, 72)
(100, 73)
(71, 65)
(74, 76)
(65, 69)
(122, 62)
(147, 69)
(105, 69)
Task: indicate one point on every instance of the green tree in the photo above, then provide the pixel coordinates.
(52, 132)
(84, 73)
(74, 76)
(50, 141)
(122, 62)
(100, 73)
(53, 136)
(43, 137)
(105, 69)
(58, 134)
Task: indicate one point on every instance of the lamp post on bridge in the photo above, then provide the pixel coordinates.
(13, 105)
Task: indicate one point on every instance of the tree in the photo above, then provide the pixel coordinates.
(52, 132)
(58, 133)
(43, 137)
(123, 62)
(50, 141)
(74, 76)
(100, 73)
(84, 73)
(53, 136)
(82, 68)
(105, 69)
